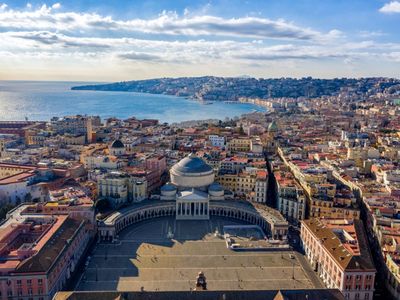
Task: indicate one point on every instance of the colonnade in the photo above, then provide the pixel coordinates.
(109, 229)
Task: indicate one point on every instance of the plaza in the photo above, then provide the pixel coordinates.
(146, 257)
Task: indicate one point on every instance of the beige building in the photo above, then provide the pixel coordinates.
(250, 184)
(73, 139)
(239, 145)
(120, 188)
(242, 185)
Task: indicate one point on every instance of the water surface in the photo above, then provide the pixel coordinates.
(42, 100)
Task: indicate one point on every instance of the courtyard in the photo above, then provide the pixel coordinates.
(147, 257)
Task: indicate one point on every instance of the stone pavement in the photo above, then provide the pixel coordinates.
(145, 258)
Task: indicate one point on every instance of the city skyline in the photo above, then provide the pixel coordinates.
(101, 41)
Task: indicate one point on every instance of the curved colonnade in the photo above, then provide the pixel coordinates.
(115, 223)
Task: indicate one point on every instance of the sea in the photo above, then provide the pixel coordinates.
(42, 100)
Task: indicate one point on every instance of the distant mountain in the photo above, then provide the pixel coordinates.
(233, 88)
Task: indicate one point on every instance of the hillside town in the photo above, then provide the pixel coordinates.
(326, 167)
(210, 88)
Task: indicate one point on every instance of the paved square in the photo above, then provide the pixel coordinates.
(146, 258)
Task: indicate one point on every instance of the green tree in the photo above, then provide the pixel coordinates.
(4, 209)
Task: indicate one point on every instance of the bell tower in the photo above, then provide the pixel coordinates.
(2, 147)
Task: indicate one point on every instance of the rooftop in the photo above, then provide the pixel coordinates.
(350, 255)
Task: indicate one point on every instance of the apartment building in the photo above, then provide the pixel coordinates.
(338, 251)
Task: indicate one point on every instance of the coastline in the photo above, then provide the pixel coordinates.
(42, 100)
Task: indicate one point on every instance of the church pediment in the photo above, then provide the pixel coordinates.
(192, 195)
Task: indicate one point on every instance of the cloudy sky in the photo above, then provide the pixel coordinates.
(111, 40)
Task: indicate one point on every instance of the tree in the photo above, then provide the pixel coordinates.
(28, 197)
(5, 209)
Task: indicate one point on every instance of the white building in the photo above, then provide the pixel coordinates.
(261, 190)
(217, 141)
(292, 203)
(102, 162)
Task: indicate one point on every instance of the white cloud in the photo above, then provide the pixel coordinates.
(56, 6)
(194, 43)
(390, 8)
(167, 23)
(191, 51)
(371, 34)
(3, 6)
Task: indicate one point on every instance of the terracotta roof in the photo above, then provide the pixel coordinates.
(48, 253)
(333, 245)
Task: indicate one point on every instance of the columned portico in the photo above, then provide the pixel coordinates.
(192, 205)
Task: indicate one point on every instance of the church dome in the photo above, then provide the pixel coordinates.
(168, 187)
(192, 164)
(192, 172)
(117, 144)
(215, 187)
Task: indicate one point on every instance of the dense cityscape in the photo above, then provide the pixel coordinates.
(199, 150)
(211, 88)
(309, 188)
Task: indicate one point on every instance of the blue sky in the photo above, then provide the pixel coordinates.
(123, 40)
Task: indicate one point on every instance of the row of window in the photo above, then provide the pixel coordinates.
(357, 287)
(357, 296)
(29, 282)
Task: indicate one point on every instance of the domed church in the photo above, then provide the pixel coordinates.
(192, 186)
(117, 148)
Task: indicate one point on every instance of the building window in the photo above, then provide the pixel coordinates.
(30, 291)
(40, 281)
(29, 281)
(19, 282)
(357, 296)
(366, 297)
